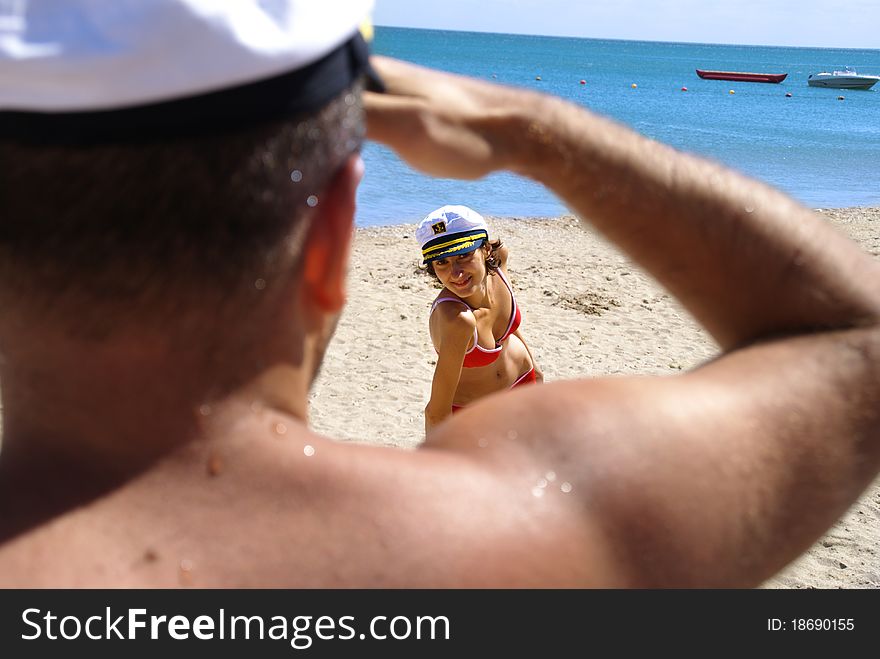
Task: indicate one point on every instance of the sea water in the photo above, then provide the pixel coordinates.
(823, 151)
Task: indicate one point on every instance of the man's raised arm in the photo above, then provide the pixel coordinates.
(724, 474)
(745, 259)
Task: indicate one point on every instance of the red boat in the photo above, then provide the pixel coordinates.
(738, 76)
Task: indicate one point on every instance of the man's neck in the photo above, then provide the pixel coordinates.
(85, 427)
(124, 403)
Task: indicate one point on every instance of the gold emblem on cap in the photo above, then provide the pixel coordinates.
(439, 227)
(366, 29)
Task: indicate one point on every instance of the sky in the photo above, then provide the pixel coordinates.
(819, 23)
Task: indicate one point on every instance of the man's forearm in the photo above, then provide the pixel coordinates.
(746, 260)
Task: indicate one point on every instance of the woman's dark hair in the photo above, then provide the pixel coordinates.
(492, 262)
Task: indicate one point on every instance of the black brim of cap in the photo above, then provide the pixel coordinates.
(373, 81)
(458, 252)
(304, 90)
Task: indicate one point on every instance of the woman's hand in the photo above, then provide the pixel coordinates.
(434, 415)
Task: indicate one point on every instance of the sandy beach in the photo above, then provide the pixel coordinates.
(586, 312)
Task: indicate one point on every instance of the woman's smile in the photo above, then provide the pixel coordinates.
(463, 282)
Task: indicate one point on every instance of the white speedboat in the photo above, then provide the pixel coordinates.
(846, 79)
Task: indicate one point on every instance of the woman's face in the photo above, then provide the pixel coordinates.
(462, 274)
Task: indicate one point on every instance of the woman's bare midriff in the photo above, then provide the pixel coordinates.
(513, 362)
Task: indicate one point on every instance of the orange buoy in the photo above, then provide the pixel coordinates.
(731, 92)
(634, 85)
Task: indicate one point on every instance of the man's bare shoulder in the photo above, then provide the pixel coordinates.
(278, 506)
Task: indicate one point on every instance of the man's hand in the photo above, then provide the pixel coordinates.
(445, 125)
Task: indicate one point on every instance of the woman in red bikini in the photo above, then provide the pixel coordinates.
(475, 320)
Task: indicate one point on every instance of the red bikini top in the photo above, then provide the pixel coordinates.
(479, 356)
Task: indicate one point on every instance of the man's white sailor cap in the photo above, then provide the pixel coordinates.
(87, 57)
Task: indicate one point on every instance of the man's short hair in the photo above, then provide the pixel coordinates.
(152, 226)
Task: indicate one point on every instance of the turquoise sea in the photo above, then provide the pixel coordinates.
(823, 151)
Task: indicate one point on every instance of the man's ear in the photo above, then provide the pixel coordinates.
(328, 244)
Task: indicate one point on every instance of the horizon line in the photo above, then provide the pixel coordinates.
(562, 36)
